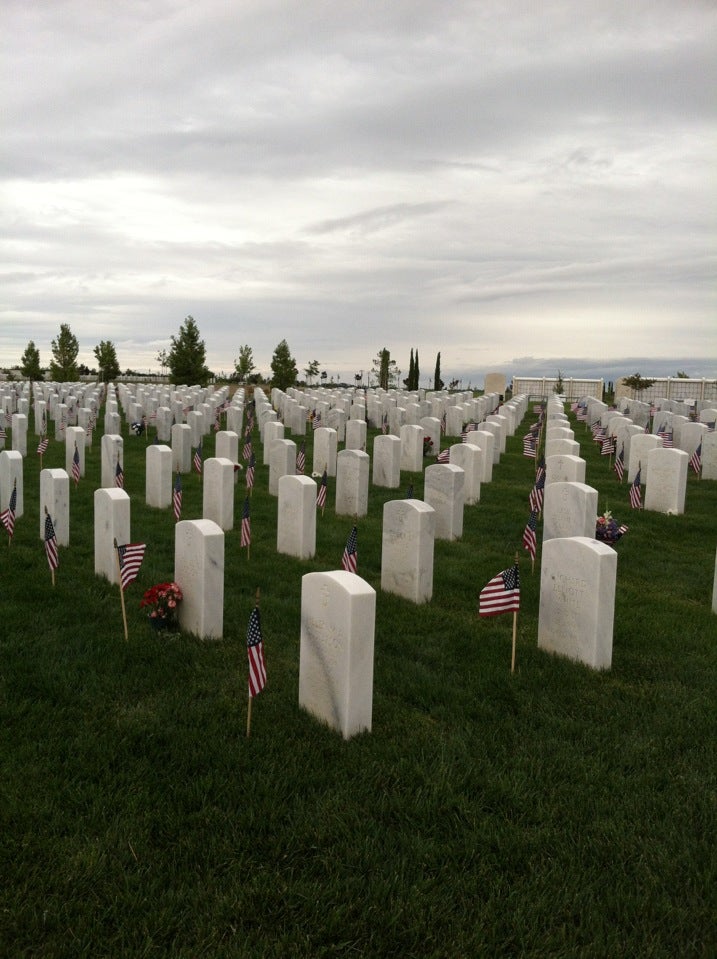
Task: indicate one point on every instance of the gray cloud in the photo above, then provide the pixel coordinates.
(460, 178)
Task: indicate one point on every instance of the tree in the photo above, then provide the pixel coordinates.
(283, 367)
(324, 374)
(187, 356)
(385, 369)
(408, 382)
(107, 360)
(245, 364)
(437, 381)
(681, 375)
(311, 370)
(30, 363)
(162, 358)
(65, 348)
(559, 385)
(416, 372)
(637, 384)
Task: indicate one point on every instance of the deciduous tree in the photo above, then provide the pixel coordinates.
(65, 348)
(283, 367)
(30, 362)
(107, 364)
(245, 364)
(187, 356)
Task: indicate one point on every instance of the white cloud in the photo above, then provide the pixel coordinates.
(349, 176)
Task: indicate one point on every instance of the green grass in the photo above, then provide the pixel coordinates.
(555, 812)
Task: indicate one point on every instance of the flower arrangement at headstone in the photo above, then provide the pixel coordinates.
(608, 530)
(427, 445)
(162, 602)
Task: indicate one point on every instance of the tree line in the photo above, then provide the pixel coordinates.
(186, 362)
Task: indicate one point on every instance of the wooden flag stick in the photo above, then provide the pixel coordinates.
(124, 611)
(248, 709)
(515, 632)
(515, 624)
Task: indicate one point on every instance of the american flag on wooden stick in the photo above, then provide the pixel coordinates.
(130, 560)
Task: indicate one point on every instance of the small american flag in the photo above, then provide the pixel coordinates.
(250, 472)
(42, 445)
(608, 446)
(666, 437)
(8, 515)
(384, 423)
(696, 459)
(636, 491)
(76, 466)
(301, 460)
(443, 423)
(501, 594)
(246, 450)
(321, 495)
(51, 551)
(119, 475)
(529, 446)
(198, 458)
(177, 497)
(444, 456)
(255, 652)
(620, 463)
(530, 541)
(130, 560)
(3, 434)
(349, 561)
(316, 421)
(535, 500)
(245, 525)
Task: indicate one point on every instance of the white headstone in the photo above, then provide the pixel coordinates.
(112, 524)
(640, 446)
(666, 482)
(577, 600)
(443, 490)
(218, 492)
(199, 572)
(409, 527)
(469, 458)
(338, 614)
(296, 517)
(352, 474)
(181, 448)
(356, 431)
(569, 509)
(411, 448)
(325, 450)
(158, 476)
(272, 431)
(564, 469)
(387, 461)
(55, 497)
(111, 452)
(282, 462)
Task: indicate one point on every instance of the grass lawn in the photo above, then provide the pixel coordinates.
(555, 812)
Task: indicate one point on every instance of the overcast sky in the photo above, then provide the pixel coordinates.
(511, 183)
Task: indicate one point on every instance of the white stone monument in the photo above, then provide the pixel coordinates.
(338, 614)
(112, 525)
(409, 528)
(352, 473)
(218, 492)
(666, 481)
(569, 509)
(199, 572)
(387, 461)
(443, 490)
(296, 517)
(577, 600)
(55, 497)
